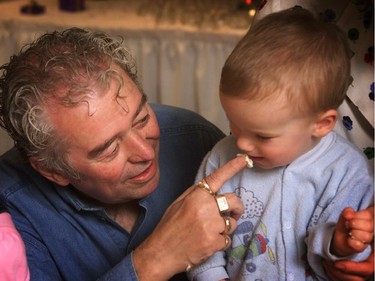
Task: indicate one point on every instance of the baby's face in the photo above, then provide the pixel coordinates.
(268, 132)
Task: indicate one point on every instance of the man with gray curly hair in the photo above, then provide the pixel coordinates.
(97, 184)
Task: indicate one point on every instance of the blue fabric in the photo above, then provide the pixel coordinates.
(290, 212)
(68, 238)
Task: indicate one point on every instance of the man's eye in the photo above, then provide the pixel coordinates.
(110, 153)
(142, 122)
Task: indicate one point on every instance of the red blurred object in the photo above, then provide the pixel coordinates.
(245, 5)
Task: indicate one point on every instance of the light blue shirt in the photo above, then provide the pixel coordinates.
(290, 212)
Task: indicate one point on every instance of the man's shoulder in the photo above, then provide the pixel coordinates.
(173, 119)
(15, 173)
(11, 165)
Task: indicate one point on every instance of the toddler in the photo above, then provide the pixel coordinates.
(308, 196)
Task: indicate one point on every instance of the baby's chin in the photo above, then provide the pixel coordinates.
(265, 164)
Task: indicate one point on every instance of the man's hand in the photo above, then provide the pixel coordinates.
(345, 270)
(191, 229)
(351, 271)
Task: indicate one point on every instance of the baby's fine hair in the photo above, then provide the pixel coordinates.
(61, 68)
(290, 53)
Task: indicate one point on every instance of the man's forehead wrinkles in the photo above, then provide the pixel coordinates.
(95, 152)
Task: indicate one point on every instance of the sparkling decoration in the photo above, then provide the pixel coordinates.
(201, 13)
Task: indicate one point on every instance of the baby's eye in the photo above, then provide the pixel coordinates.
(264, 138)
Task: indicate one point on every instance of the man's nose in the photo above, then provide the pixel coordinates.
(140, 147)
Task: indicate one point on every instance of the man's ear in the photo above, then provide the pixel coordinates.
(325, 123)
(51, 175)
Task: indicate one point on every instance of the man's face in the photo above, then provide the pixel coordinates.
(113, 143)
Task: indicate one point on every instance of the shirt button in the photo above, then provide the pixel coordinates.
(288, 225)
(290, 276)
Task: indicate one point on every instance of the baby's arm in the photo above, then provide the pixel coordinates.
(354, 232)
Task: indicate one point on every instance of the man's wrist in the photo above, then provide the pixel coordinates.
(151, 266)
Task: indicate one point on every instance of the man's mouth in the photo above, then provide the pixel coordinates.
(146, 174)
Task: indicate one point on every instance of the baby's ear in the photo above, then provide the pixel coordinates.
(325, 123)
(51, 175)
